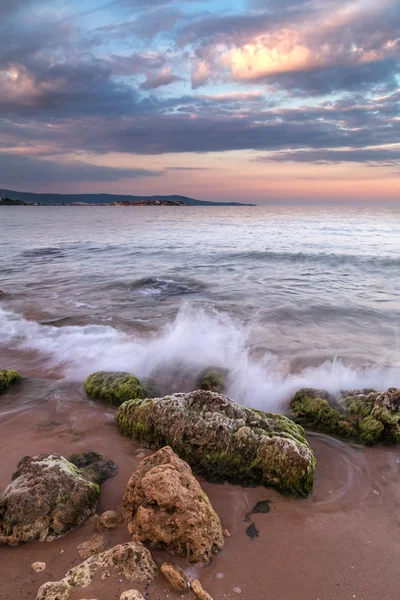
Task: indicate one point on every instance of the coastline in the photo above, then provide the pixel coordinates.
(346, 524)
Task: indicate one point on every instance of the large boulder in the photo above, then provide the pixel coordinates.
(224, 441)
(166, 508)
(7, 378)
(132, 560)
(113, 388)
(365, 415)
(49, 495)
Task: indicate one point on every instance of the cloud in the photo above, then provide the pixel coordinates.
(373, 156)
(15, 167)
(157, 80)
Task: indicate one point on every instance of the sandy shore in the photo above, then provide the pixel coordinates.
(341, 543)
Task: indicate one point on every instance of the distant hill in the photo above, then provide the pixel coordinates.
(104, 199)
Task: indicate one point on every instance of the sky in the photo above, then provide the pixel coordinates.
(268, 101)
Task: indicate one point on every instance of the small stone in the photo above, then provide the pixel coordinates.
(131, 595)
(175, 576)
(109, 520)
(198, 590)
(38, 566)
(226, 533)
(105, 575)
(96, 544)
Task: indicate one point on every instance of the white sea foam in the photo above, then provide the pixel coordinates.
(195, 340)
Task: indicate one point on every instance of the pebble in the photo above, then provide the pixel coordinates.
(226, 533)
(38, 566)
(197, 588)
(131, 595)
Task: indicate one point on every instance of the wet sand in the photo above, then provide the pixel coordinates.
(341, 543)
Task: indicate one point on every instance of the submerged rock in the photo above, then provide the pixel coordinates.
(7, 378)
(368, 416)
(224, 441)
(131, 559)
(48, 496)
(113, 388)
(166, 508)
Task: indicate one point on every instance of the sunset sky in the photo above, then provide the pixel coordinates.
(288, 101)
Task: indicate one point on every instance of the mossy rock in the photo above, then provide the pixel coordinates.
(113, 387)
(213, 381)
(365, 415)
(7, 378)
(222, 440)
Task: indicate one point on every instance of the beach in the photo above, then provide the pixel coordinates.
(281, 299)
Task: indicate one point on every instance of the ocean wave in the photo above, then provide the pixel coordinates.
(194, 341)
(329, 259)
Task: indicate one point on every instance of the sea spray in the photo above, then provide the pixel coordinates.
(195, 340)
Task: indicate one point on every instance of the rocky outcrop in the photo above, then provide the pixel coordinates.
(7, 378)
(166, 508)
(131, 559)
(49, 495)
(113, 388)
(368, 416)
(224, 441)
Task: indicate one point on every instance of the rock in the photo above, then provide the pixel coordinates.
(109, 520)
(38, 567)
(49, 496)
(131, 559)
(97, 467)
(113, 388)
(213, 381)
(224, 441)
(131, 595)
(198, 590)
(166, 508)
(7, 378)
(368, 416)
(96, 544)
(226, 533)
(175, 576)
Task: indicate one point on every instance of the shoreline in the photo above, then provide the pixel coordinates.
(347, 522)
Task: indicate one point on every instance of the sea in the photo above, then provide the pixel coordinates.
(281, 298)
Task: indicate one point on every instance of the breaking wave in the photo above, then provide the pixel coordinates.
(197, 339)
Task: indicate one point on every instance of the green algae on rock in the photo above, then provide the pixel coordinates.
(213, 381)
(365, 415)
(7, 378)
(222, 440)
(49, 496)
(113, 387)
